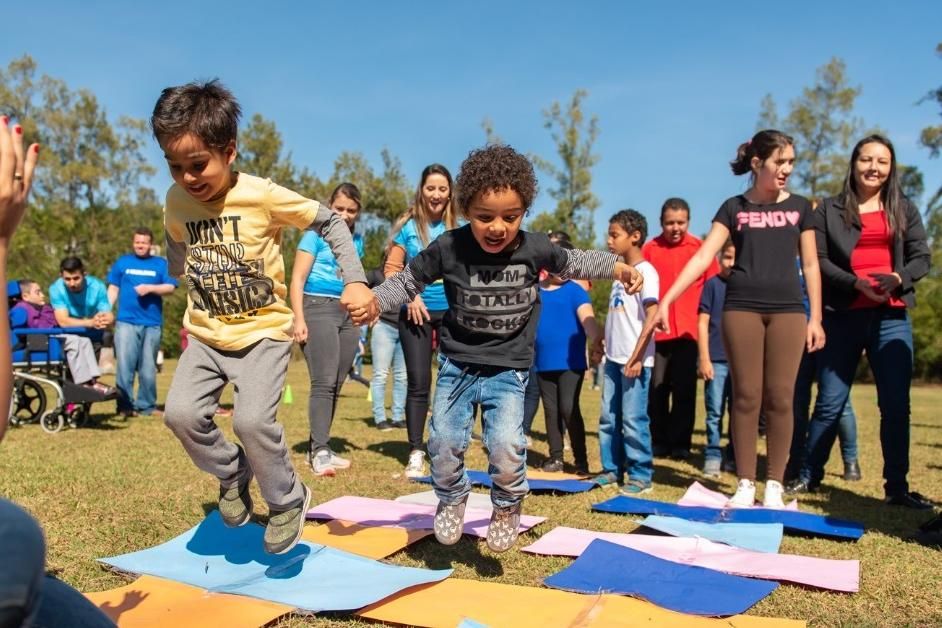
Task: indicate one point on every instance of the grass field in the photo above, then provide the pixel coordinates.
(120, 486)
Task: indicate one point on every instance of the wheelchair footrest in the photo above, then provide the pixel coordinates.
(75, 393)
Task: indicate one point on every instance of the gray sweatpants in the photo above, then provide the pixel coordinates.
(258, 374)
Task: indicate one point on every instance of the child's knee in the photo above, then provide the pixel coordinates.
(179, 415)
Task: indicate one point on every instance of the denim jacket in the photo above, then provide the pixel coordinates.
(836, 242)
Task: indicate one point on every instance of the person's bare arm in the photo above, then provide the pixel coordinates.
(303, 262)
(704, 364)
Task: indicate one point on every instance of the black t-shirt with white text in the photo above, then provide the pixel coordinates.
(764, 278)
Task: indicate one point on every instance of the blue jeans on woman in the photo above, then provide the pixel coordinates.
(387, 354)
(624, 425)
(716, 395)
(886, 335)
(136, 349)
(499, 392)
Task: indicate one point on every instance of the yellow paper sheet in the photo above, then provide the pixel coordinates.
(150, 601)
(536, 474)
(448, 603)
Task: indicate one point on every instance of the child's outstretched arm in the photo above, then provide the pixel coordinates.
(579, 264)
(400, 288)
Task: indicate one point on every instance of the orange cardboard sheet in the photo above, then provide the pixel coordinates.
(452, 601)
(536, 474)
(350, 537)
(150, 601)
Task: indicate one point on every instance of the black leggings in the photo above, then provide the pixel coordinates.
(417, 348)
(560, 392)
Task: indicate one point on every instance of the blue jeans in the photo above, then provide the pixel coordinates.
(499, 392)
(847, 425)
(716, 396)
(135, 349)
(387, 351)
(624, 425)
(531, 401)
(886, 335)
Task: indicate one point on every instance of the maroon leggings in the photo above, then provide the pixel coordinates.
(764, 351)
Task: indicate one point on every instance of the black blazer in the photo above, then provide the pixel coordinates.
(836, 241)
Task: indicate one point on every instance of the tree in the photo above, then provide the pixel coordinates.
(491, 137)
(575, 203)
(823, 128)
(931, 138)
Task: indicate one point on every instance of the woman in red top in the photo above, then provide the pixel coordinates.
(872, 249)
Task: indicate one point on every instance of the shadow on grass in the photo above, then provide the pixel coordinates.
(337, 445)
(928, 425)
(467, 551)
(396, 449)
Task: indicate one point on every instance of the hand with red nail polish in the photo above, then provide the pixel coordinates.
(16, 178)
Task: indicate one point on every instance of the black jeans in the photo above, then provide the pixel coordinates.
(673, 394)
(417, 348)
(560, 392)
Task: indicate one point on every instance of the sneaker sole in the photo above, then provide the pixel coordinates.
(325, 473)
(304, 509)
(341, 465)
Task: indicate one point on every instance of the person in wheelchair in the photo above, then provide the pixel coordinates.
(32, 312)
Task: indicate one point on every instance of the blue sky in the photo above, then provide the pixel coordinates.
(676, 86)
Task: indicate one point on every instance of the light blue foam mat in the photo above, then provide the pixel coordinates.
(793, 521)
(481, 478)
(760, 537)
(609, 568)
(310, 577)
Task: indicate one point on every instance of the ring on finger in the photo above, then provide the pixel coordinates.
(17, 176)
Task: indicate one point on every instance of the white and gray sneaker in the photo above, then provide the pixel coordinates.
(339, 463)
(415, 468)
(773, 495)
(504, 528)
(320, 464)
(745, 496)
(449, 521)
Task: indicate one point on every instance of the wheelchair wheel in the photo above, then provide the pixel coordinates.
(52, 421)
(30, 402)
(77, 416)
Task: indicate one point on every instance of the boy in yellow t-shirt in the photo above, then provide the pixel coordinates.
(224, 232)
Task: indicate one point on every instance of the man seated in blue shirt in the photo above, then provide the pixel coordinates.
(79, 300)
(138, 282)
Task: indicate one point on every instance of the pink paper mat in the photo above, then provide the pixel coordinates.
(699, 495)
(837, 575)
(387, 513)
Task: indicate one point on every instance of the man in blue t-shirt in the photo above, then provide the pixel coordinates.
(78, 299)
(138, 282)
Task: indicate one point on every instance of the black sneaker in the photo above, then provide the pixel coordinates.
(399, 425)
(582, 468)
(910, 500)
(852, 471)
(800, 486)
(679, 453)
(504, 528)
(553, 465)
(385, 426)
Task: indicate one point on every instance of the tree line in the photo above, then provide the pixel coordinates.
(90, 190)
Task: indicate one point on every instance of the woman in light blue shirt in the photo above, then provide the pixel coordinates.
(324, 330)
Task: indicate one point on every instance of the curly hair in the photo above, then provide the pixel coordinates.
(495, 167)
(631, 221)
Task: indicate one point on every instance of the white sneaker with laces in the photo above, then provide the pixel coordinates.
(773, 495)
(745, 496)
(320, 464)
(339, 463)
(416, 466)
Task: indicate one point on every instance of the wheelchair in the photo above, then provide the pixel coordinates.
(39, 364)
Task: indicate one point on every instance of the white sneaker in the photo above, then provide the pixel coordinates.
(320, 464)
(773, 495)
(339, 463)
(745, 495)
(416, 466)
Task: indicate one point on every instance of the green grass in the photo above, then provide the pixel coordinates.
(120, 486)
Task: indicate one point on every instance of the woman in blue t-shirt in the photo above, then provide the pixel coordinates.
(323, 329)
(432, 213)
(566, 319)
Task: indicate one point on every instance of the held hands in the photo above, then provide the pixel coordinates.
(416, 312)
(815, 336)
(628, 275)
(16, 177)
(360, 302)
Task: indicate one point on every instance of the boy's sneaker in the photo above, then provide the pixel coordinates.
(504, 528)
(605, 479)
(416, 465)
(582, 468)
(384, 426)
(745, 496)
(320, 464)
(773, 495)
(633, 488)
(553, 465)
(235, 503)
(339, 463)
(449, 521)
(398, 425)
(711, 467)
(285, 527)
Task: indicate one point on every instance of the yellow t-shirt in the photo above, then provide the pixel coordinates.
(230, 252)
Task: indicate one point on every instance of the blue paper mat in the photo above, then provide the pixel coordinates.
(760, 537)
(609, 568)
(793, 521)
(310, 577)
(481, 478)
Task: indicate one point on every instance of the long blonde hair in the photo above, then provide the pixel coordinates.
(419, 210)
